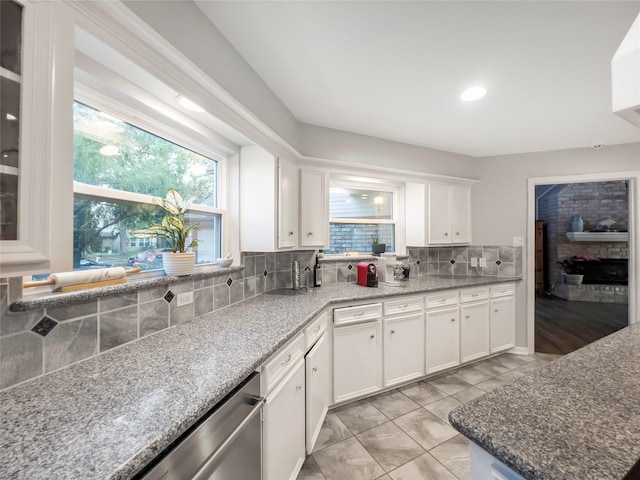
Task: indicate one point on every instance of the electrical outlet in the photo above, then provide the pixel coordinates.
(185, 298)
(474, 261)
(483, 262)
(518, 241)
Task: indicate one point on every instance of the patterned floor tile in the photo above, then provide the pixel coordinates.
(425, 467)
(454, 455)
(473, 374)
(360, 416)
(441, 408)
(332, 431)
(389, 445)
(423, 392)
(393, 403)
(310, 470)
(425, 428)
(449, 384)
(347, 459)
(469, 394)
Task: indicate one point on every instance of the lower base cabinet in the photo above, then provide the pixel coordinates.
(503, 324)
(474, 331)
(284, 427)
(403, 349)
(443, 339)
(357, 366)
(318, 383)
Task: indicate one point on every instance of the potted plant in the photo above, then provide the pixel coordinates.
(376, 247)
(571, 273)
(173, 229)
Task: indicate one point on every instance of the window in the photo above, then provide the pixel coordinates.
(119, 169)
(359, 217)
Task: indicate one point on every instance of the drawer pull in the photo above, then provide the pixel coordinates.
(290, 234)
(315, 369)
(286, 360)
(373, 336)
(403, 306)
(474, 295)
(496, 310)
(442, 300)
(453, 319)
(466, 316)
(309, 234)
(317, 328)
(458, 233)
(393, 331)
(446, 234)
(299, 387)
(359, 314)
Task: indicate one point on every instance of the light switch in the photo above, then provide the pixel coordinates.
(518, 241)
(483, 262)
(474, 261)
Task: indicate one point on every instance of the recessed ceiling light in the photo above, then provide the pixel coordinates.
(189, 105)
(109, 150)
(11, 117)
(473, 93)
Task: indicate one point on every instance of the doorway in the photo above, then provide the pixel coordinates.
(581, 273)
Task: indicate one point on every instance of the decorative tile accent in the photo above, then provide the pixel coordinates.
(350, 267)
(44, 326)
(169, 296)
(452, 261)
(418, 262)
(498, 262)
(229, 282)
(264, 273)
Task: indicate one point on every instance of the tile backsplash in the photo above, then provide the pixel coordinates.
(37, 342)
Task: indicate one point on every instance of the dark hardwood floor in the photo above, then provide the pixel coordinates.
(562, 326)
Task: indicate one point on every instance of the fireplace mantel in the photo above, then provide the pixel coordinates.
(598, 236)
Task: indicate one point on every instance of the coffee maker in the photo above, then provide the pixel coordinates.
(386, 269)
(367, 274)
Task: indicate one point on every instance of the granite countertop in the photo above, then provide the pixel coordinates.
(577, 418)
(110, 415)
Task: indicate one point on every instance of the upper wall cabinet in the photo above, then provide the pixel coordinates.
(437, 214)
(268, 201)
(36, 137)
(314, 208)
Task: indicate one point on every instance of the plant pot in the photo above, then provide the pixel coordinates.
(378, 248)
(177, 264)
(573, 279)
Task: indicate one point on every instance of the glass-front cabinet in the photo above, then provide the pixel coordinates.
(36, 136)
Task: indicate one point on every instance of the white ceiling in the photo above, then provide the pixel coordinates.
(395, 70)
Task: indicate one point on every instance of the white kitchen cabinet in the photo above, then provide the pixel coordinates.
(403, 348)
(318, 383)
(314, 208)
(448, 214)
(357, 360)
(415, 214)
(474, 330)
(503, 323)
(284, 427)
(442, 339)
(268, 201)
(36, 165)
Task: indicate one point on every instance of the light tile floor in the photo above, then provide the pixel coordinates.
(404, 434)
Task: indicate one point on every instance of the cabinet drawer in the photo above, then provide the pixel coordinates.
(315, 329)
(281, 362)
(474, 294)
(347, 315)
(404, 305)
(503, 290)
(442, 299)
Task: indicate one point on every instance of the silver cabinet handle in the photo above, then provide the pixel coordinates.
(496, 310)
(317, 328)
(474, 295)
(446, 234)
(403, 306)
(299, 387)
(359, 314)
(466, 316)
(443, 300)
(290, 234)
(286, 360)
(393, 331)
(457, 233)
(315, 369)
(373, 336)
(453, 319)
(309, 234)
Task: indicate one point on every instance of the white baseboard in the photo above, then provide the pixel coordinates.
(519, 351)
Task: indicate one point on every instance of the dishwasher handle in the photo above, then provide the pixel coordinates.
(201, 474)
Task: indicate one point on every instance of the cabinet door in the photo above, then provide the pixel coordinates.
(460, 214)
(443, 339)
(415, 215)
(503, 324)
(439, 214)
(357, 360)
(314, 217)
(284, 424)
(287, 204)
(403, 349)
(318, 379)
(474, 333)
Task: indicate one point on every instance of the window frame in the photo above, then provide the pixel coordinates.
(370, 184)
(130, 115)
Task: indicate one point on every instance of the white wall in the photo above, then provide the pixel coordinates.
(188, 29)
(499, 202)
(343, 146)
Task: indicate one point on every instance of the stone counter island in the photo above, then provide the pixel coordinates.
(578, 418)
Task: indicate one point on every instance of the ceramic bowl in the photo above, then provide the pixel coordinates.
(224, 262)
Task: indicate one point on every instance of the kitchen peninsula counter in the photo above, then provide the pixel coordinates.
(110, 415)
(578, 418)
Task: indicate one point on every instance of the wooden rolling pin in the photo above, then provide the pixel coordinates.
(70, 281)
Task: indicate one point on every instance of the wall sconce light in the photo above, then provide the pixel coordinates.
(377, 201)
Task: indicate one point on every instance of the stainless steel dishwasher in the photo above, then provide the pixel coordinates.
(225, 444)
